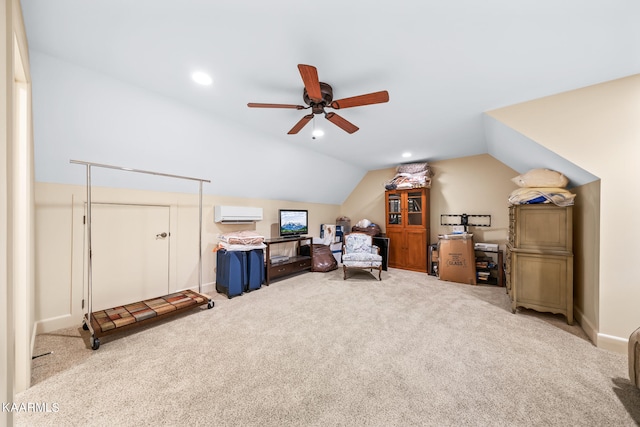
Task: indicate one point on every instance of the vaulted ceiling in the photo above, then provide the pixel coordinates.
(443, 63)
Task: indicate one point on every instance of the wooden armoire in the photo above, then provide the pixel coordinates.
(407, 227)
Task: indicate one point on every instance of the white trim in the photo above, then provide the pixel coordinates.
(34, 334)
(207, 288)
(613, 343)
(54, 323)
(586, 325)
(604, 341)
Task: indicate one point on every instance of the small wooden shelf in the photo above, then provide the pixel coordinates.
(495, 269)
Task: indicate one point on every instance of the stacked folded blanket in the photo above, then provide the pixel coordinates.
(240, 241)
(557, 196)
(541, 186)
(411, 175)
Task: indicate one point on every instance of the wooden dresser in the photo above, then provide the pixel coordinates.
(539, 259)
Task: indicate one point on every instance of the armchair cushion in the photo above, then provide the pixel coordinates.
(362, 259)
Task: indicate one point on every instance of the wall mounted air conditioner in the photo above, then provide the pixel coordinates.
(236, 214)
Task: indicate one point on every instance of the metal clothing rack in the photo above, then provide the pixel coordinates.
(95, 342)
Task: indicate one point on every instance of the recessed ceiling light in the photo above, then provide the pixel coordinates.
(202, 78)
(406, 154)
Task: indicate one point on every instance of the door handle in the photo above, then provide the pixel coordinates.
(162, 235)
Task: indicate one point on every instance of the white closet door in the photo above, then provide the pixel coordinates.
(130, 245)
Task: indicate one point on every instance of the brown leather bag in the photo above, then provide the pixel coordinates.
(323, 259)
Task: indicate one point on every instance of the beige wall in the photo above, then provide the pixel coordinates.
(586, 232)
(597, 128)
(366, 201)
(60, 280)
(477, 185)
(473, 185)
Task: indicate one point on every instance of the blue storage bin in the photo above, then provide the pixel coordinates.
(231, 272)
(255, 269)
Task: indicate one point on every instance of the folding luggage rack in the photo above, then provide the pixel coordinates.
(127, 316)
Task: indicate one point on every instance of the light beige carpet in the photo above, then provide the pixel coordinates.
(314, 350)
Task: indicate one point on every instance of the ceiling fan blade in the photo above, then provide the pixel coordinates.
(356, 101)
(259, 105)
(303, 121)
(309, 75)
(342, 123)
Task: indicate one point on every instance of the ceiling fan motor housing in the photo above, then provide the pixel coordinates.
(327, 97)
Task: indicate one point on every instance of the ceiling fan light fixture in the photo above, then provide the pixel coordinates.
(316, 133)
(202, 78)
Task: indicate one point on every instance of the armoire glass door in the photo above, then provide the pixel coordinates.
(394, 210)
(414, 208)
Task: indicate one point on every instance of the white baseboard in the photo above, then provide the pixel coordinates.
(34, 333)
(588, 327)
(613, 343)
(55, 323)
(607, 342)
(206, 288)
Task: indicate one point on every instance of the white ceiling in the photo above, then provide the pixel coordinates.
(443, 63)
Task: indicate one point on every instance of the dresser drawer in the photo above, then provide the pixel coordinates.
(541, 227)
(290, 267)
(543, 283)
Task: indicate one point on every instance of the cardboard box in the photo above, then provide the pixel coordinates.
(457, 260)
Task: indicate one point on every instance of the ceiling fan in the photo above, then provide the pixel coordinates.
(318, 96)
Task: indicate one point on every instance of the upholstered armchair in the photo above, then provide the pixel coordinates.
(634, 358)
(359, 252)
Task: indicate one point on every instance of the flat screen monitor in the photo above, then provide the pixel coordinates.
(293, 222)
